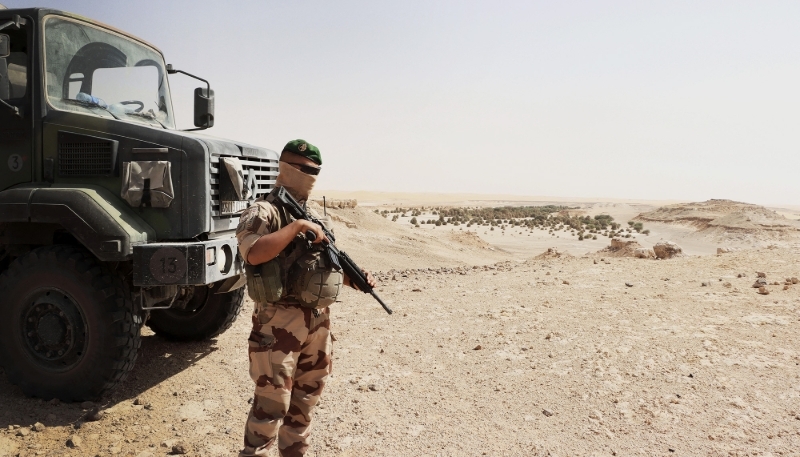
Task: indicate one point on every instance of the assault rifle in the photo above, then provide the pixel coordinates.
(339, 259)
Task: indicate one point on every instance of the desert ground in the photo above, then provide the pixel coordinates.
(507, 342)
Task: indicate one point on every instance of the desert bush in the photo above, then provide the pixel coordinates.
(414, 220)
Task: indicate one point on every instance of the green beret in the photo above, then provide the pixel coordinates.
(305, 149)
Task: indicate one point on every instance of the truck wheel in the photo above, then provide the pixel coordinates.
(206, 315)
(68, 331)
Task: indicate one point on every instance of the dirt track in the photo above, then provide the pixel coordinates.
(592, 367)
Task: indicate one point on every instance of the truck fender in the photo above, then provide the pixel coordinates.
(92, 214)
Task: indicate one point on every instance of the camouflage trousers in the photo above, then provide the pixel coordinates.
(290, 358)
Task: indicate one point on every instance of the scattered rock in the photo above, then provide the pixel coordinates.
(74, 441)
(477, 348)
(763, 291)
(740, 275)
(795, 280)
(565, 282)
(138, 401)
(38, 427)
(728, 285)
(785, 287)
(644, 253)
(760, 274)
(760, 282)
(416, 290)
(179, 448)
(629, 284)
(94, 415)
(723, 250)
(24, 431)
(705, 284)
(547, 412)
(373, 387)
(667, 250)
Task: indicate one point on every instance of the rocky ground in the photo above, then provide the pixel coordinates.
(551, 355)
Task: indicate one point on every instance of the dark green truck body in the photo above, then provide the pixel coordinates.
(63, 165)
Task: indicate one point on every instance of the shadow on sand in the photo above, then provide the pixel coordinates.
(158, 360)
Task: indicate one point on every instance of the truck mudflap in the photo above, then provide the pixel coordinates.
(189, 263)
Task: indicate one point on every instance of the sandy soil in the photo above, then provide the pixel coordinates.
(490, 352)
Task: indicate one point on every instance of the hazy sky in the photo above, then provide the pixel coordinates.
(654, 100)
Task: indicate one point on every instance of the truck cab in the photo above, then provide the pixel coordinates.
(110, 217)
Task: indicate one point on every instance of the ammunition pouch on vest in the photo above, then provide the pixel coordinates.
(265, 281)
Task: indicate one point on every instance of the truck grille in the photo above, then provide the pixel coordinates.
(265, 172)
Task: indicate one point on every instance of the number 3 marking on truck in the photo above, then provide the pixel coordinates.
(15, 162)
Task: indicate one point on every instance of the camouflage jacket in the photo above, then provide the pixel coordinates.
(261, 218)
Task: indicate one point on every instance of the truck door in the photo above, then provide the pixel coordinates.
(16, 116)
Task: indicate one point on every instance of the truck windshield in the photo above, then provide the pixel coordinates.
(99, 72)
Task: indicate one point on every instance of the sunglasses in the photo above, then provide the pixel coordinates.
(313, 171)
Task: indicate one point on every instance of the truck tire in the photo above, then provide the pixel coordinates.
(68, 330)
(206, 315)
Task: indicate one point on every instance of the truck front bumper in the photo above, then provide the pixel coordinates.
(190, 263)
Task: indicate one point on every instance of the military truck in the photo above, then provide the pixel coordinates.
(110, 217)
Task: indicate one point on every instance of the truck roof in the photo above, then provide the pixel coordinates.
(39, 13)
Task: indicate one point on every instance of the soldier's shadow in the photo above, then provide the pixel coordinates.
(158, 360)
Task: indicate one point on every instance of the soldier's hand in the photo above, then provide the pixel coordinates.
(304, 226)
(370, 278)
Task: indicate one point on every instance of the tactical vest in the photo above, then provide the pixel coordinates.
(299, 275)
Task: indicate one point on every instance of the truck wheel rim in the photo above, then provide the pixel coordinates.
(54, 330)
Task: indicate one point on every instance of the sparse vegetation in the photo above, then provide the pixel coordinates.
(552, 218)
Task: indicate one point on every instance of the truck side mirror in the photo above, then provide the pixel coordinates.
(203, 107)
(5, 46)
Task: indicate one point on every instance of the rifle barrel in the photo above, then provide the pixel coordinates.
(388, 310)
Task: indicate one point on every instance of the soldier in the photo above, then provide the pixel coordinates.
(290, 345)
